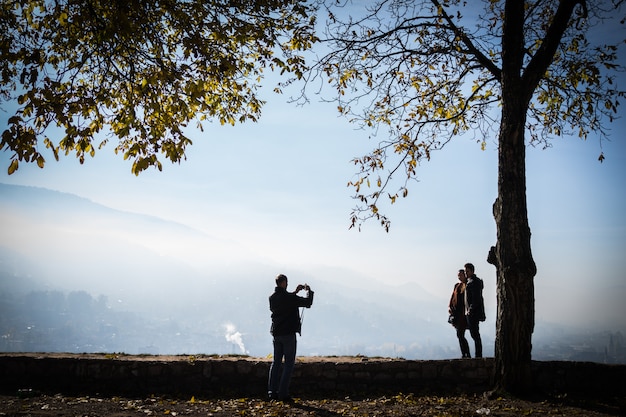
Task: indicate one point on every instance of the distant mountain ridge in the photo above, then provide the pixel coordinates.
(68, 243)
(38, 200)
(156, 286)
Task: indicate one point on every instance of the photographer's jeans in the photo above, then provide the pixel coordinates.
(278, 384)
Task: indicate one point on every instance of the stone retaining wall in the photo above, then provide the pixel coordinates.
(210, 376)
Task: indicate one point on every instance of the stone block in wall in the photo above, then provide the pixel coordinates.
(449, 371)
(382, 377)
(330, 374)
(207, 369)
(361, 375)
(429, 370)
(244, 367)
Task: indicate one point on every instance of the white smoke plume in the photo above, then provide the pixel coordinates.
(235, 337)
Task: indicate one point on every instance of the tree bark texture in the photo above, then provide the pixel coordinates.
(512, 256)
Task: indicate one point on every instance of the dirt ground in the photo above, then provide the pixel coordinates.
(33, 404)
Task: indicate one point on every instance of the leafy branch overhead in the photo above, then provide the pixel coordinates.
(428, 71)
(136, 72)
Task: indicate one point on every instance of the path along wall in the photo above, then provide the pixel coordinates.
(212, 376)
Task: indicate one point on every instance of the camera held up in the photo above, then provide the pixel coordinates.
(302, 287)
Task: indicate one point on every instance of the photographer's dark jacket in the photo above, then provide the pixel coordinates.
(285, 315)
(474, 304)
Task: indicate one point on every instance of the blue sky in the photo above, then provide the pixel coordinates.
(277, 189)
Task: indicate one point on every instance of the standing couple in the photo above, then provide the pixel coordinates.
(467, 309)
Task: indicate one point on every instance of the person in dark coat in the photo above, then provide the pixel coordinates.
(285, 324)
(456, 309)
(474, 307)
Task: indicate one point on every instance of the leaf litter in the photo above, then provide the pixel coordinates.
(396, 405)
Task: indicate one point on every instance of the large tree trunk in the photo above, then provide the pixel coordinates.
(512, 255)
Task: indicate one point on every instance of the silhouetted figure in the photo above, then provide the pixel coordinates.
(456, 309)
(285, 324)
(474, 307)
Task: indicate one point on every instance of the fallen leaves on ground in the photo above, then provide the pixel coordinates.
(398, 405)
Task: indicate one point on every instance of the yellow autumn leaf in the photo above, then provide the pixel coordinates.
(13, 166)
(63, 19)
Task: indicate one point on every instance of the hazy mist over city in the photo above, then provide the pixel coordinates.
(76, 276)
